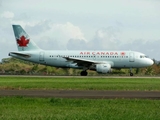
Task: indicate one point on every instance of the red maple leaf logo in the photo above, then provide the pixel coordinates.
(123, 53)
(22, 41)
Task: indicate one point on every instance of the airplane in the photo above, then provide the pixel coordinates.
(99, 61)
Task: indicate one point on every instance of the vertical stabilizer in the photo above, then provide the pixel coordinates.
(23, 41)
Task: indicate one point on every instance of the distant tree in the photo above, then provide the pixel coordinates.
(137, 70)
(149, 71)
(34, 69)
(22, 72)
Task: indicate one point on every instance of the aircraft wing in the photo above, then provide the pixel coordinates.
(83, 62)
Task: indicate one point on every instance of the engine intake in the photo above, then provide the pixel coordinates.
(103, 68)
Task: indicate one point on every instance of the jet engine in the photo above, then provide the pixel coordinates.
(103, 68)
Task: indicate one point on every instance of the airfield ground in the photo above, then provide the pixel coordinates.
(96, 98)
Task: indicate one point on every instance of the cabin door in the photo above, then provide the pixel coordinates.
(41, 56)
(131, 57)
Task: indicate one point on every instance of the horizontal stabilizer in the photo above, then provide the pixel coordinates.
(19, 54)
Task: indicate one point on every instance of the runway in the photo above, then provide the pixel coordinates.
(89, 94)
(48, 76)
(93, 94)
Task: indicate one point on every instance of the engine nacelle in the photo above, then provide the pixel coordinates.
(103, 68)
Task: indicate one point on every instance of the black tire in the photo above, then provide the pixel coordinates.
(131, 74)
(84, 73)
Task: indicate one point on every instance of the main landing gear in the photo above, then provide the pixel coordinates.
(84, 73)
(131, 74)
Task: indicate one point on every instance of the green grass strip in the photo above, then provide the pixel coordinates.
(23, 108)
(137, 84)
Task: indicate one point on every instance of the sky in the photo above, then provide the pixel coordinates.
(83, 25)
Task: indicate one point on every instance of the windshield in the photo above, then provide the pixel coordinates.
(144, 56)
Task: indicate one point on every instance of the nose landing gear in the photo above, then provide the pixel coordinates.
(131, 74)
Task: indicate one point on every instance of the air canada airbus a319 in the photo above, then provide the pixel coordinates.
(100, 61)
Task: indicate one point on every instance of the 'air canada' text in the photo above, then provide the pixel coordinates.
(101, 53)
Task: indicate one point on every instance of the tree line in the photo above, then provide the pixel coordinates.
(13, 66)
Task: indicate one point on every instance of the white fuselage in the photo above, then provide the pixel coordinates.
(117, 59)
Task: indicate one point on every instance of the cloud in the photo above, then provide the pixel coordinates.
(77, 44)
(69, 30)
(69, 36)
(54, 36)
(7, 14)
(38, 27)
(105, 39)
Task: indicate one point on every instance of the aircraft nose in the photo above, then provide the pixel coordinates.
(150, 62)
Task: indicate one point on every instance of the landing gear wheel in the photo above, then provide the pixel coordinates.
(131, 74)
(84, 73)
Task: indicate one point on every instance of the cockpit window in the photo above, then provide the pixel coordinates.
(143, 56)
(146, 56)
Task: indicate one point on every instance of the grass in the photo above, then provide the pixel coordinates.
(137, 84)
(26, 108)
(23, 108)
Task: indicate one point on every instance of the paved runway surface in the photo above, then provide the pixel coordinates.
(133, 77)
(83, 94)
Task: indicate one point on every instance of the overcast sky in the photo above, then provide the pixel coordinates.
(83, 24)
